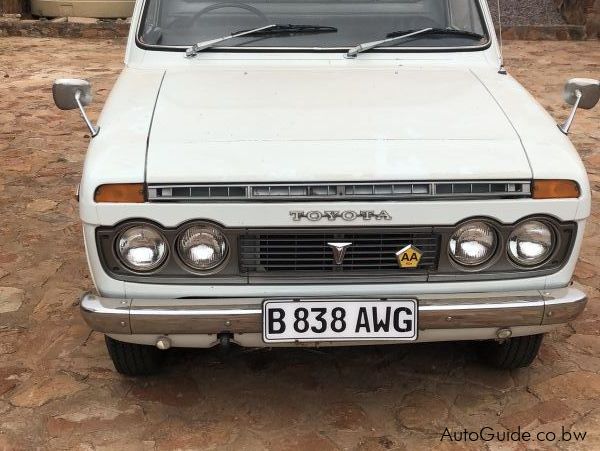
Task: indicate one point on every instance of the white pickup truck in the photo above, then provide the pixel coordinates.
(320, 173)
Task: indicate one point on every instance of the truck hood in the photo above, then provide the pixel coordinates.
(333, 124)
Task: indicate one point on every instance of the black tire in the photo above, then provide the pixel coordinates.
(132, 359)
(517, 352)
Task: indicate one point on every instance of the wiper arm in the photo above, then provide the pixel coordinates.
(273, 29)
(453, 31)
(203, 45)
(354, 51)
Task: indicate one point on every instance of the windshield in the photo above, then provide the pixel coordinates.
(182, 23)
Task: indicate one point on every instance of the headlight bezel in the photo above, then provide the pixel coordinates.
(189, 268)
(488, 262)
(555, 237)
(154, 268)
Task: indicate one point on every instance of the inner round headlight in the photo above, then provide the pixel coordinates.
(142, 248)
(202, 247)
(531, 243)
(473, 243)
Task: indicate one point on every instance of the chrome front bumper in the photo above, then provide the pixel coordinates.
(244, 316)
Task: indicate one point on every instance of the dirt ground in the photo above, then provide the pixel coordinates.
(58, 389)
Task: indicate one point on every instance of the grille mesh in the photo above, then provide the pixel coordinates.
(371, 252)
(340, 191)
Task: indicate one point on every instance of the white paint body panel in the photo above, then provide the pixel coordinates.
(329, 124)
(261, 117)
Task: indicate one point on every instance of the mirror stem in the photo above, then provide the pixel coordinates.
(567, 125)
(93, 130)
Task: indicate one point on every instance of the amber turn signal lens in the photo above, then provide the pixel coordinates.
(122, 193)
(555, 189)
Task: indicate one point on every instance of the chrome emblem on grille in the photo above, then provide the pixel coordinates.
(339, 251)
(346, 215)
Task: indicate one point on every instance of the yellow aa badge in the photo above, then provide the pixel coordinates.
(409, 257)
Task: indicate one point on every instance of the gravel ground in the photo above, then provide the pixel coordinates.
(527, 12)
(58, 389)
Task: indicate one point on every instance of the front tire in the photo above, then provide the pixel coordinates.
(132, 359)
(517, 352)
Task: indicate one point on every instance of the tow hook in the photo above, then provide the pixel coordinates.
(163, 343)
(225, 340)
(503, 334)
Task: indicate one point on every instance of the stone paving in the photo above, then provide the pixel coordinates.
(58, 389)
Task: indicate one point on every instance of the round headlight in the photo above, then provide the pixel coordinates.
(531, 243)
(202, 247)
(473, 243)
(142, 248)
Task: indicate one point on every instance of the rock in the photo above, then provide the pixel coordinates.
(17, 165)
(476, 402)
(82, 20)
(303, 442)
(11, 299)
(55, 303)
(38, 393)
(42, 205)
(177, 434)
(589, 424)
(544, 412)
(130, 445)
(489, 377)
(8, 348)
(587, 343)
(423, 411)
(9, 442)
(8, 258)
(98, 412)
(4, 407)
(94, 417)
(585, 270)
(377, 444)
(7, 372)
(6, 386)
(574, 385)
(347, 416)
(177, 391)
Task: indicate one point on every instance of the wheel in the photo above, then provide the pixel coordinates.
(133, 359)
(517, 352)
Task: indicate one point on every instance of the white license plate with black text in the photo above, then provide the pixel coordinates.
(325, 320)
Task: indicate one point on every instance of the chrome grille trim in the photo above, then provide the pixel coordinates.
(300, 251)
(340, 191)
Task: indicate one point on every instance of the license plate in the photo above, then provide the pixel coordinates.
(323, 320)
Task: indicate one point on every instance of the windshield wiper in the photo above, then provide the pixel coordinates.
(402, 34)
(292, 29)
(452, 31)
(267, 30)
(354, 51)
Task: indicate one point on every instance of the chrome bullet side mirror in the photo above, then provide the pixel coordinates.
(580, 93)
(73, 93)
